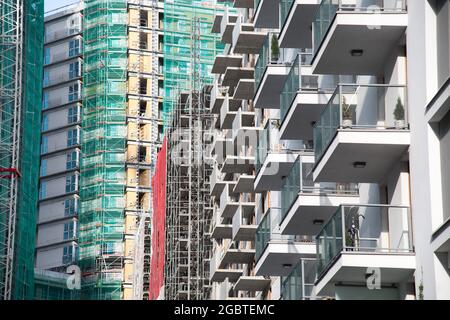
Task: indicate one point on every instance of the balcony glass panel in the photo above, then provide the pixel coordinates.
(300, 283)
(300, 180)
(329, 8)
(270, 54)
(269, 230)
(263, 147)
(361, 107)
(285, 7)
(364, 229)
(295, 82)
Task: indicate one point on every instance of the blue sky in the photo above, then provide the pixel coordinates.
(54, 4)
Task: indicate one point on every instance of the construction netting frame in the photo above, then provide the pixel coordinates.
(21, 63)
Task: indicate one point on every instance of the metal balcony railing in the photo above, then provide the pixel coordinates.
(361, 107)
(376, 229)
(300, 282)
(300, 180)
(328, 10)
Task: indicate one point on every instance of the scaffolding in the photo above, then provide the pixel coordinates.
(119, 147)
(189, 50)
(103, 174)
(21, 29)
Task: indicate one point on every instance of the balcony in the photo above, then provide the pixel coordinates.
(244, 228)
(244, 90)
(245, 39)
(306, 205)
(229, 202)
(302, 99)
(251, 283)
(222, 62)
(365, 236)
(266, 14)
(220, 230)
(357, 37)
(270, 73)
(243, 162)
(227, 23)
(221, 274)
(276, 255)
(228, 112)
(244, 184)
(244, 132)
(235, 254)
(296, 18)
(221, 146)
(233, 75)
(299, 284)
(218, 94)
(273, 161)
(362, 132)
(217, 182)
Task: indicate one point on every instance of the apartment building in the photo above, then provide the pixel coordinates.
(56, 244)
(234, 226)
(189, 52)
(342, 194)
(20, 95)
(102, 127)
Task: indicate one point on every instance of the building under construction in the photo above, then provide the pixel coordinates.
(21, 28)
(189, 51)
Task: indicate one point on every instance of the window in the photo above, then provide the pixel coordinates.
(46, 55)
(72, 160)
(46, 78)
(43, 190)
(45, 100)
(43, 167)
(72, 115)
(71, 183)
(69, 230)
(74, 47)
(108, 248)
(74, 70)
(73, 92)
(44, 145)
(72, 137)
(68, 254)
(70, 207)
(45, 122)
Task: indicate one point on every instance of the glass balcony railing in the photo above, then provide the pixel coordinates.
(353, 106)
(329, 8)
(300, 180)
(380, 229)
(263, 147)
(270, 54)
(285, 7)
(300, 283)
(269, 230)
(296, 82)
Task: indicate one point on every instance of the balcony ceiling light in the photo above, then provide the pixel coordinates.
(357, 52)
(359, 165)
(318, 222)
(287, 265)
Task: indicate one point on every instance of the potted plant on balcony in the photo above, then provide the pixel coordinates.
(399, 114)
(275, 49)
(347, 115)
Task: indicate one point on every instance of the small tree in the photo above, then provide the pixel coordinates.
(275, 49)
(346, 111)
(399, 111)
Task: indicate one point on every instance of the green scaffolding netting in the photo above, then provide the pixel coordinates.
(102, 187)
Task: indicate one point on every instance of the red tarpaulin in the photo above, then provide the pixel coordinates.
(158, 224)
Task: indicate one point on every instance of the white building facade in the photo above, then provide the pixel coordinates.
(349, 102)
